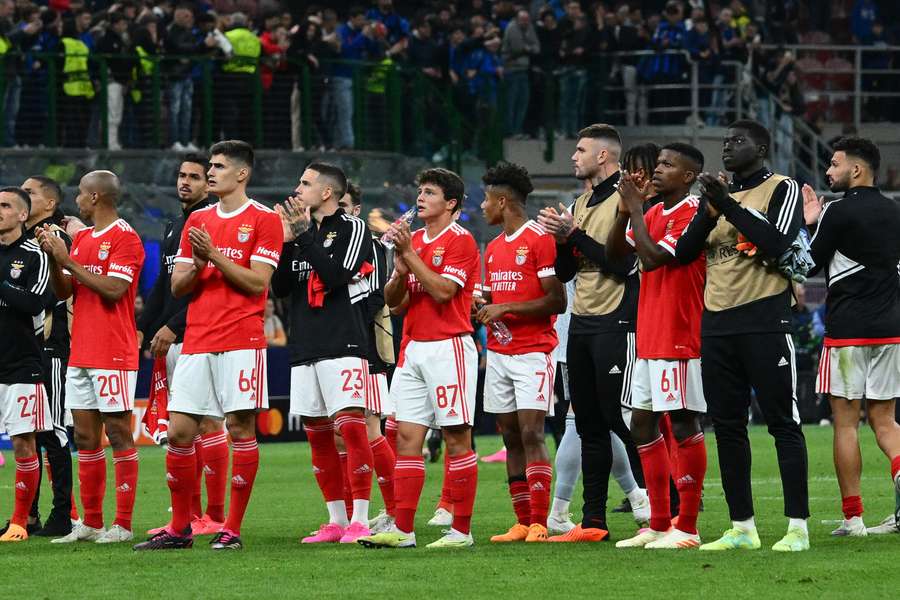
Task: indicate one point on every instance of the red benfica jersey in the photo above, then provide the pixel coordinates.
(453, 254)
(221, 317)
(514, 267)
(670, 304)
(104, 334)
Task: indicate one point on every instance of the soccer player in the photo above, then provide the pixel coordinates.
(600, 353)
(523, 293)
(163, 320)
(326, 261)
(435, 273)
(23, 402)
(46, 196)
(380, 356)
(746, 328)
(225, 261)
(667, 373)
(857, 245)
(101, 274)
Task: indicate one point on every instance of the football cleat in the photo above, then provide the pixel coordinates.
(516, 533)
(166, 540)
(644, 536)
(581, 534)
(354, 532)
(114, 535)
(559, 524)
(888, 525)
(735, 539)
(55, 526)
(329, 533)
(536, 533)
(453, 539)
(226, 540)
(675, 539)
(624, 507)
(14, 533)
(497, 457)
(442, 518)
(796, 540)
(80, 533)
(206, 526)
(852, 527)
(389, 539)
(383, 522)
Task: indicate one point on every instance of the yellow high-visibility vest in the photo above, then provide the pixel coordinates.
(76, 78)
(246, 51)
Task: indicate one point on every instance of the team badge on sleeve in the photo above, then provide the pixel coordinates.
(244, 232)
(437, 257)
(329, 239)
(15, 269)
(103, 253)
(521, 255)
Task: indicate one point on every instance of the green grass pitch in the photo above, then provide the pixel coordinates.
(286, 504)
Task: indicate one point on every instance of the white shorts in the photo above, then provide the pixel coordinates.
(172, 360)
(378, 396)
(323, 388)
(437, 383)
(855, 372)
(519, 382)
(215, 384)
(106, 390)
(663, 385)
(24, 408)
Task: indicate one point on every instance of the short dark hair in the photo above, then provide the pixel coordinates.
(689, 151)
(758, 132)
(355, 193)
(601, 131)
(22, 194)
(512, 176)
(642, 156)
(450, 183)
(861, 148)
(116, 17)
(234, 149)
(51, 186)
(355, 10)
(197, 159)
(332, 172)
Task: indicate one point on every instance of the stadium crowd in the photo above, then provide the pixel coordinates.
(487, 56)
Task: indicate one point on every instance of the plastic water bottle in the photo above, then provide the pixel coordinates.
(501, 332)
(408, 217)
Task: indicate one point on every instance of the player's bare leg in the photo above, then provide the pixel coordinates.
(28, 473)
(887, 434)
(848, 464)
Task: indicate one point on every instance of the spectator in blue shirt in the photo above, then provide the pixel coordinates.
(663, 68)
(397, 27)
(484, 70)
(864, 15)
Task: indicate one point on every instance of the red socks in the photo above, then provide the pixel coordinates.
(384, 470)
(895, 466)
(521, 499)
(215, 470)
(390, 433)
(462, 474)
(409, 477)
(446, 502)
(125, 464)
(540, 475)
(655, 462)
(689, 473)
(197, 495)
(244, 465)
(92, 485)
(360, 462)
(28, 477)
(852, 506)
(325, 461)
(345, 484)
(181, 471)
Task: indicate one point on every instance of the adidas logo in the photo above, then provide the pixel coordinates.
(124, 488)
(111, 402)
(783, 362)
(538, 487)
(382, 480)
(207, 470)
(170, 477)
(363, 469)
(671, 398)
(452, 413)
(316, 470)
(686, 480)
(541, 398)
(238, 481)
(21, 485)
(356, 396)
(615, 370)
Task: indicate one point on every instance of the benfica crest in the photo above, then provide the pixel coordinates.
(521, 255)
(15, 269)
(103, 254)
(244, 232)
(437, 257)
(329, 239)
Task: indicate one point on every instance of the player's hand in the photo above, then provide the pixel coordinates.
(52, 245)
(161, 342)
(401, 269)
(812, 206)
(140, 337)
(559, 224)
(745, 246)
(295, 218)
(402, 237)
(714, 189)
(201, 244)
(632, 191)
(490, 312)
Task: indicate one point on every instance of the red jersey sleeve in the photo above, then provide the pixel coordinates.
(185, 252)
(460, 262)
(680, 221)
(126, 257)
(269, 240)
(545, 256)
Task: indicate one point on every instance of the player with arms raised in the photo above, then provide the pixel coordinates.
(524, 294)
(667, 373)
(227, 256)
(435, 271)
